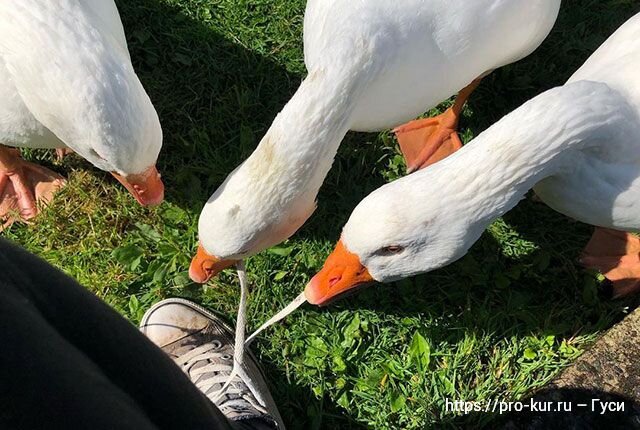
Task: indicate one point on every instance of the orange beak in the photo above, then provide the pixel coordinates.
(146, 187)
(342, 273)
(204, 266)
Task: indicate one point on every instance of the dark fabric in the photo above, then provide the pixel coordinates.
(68, 361)
(254, 424)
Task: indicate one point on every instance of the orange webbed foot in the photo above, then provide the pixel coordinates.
(426, 141)
(616, 255)
(63, 152)
(23, 188)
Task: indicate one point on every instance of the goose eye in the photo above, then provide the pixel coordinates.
(391, 250)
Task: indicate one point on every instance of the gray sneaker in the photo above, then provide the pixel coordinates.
(203, 346)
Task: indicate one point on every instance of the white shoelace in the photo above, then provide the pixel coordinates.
(237, 396)
(208, 351)
(240, 343)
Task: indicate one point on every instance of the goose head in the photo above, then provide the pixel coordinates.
(72, 70)
(257, 207)
(125, 139)
(431, 218)
(398, 231)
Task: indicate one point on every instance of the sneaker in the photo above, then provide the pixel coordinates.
(203, 346)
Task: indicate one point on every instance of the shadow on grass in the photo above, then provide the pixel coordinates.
(302, 410)
(581, 28)
(487, 292)
(216, 99)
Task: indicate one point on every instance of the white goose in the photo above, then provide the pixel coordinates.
(577, 146)
(372, 65)
(66, 81)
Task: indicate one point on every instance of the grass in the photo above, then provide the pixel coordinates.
(497, 324)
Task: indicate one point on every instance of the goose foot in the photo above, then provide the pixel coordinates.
(616, 254)
(426, 141)
(63, 152)
(23, 186)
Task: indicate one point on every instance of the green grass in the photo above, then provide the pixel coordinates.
(497, 324)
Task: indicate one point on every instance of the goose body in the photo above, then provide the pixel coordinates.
(577, 145)
(602, 185)
(409, 56)
(372, 65)
(66, 81)
(18, 126)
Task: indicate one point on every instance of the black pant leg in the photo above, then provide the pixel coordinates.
(70, 361)
(47, 383)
